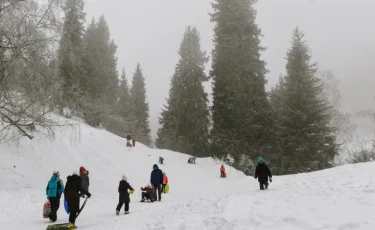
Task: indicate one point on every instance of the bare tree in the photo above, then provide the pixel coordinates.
(28, 80)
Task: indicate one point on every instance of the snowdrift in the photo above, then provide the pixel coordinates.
(341, 198)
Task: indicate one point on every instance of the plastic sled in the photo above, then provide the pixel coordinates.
(67, 226)
(167, 188)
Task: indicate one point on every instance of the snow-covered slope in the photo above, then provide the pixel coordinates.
(340, 198)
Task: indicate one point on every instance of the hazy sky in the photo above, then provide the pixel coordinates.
(340, 33)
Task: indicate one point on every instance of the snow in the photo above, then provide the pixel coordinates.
(342, 198)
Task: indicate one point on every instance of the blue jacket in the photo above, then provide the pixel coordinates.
(157, 176)
(55, 187)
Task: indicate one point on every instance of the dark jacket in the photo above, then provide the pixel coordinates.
(262, 172)
(123, 188)
(150, 192)
(157, 177)
(128, 137)
(85, 181)
(73, 188)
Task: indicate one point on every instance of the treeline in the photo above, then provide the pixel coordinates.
(292, 127)
(79, 78)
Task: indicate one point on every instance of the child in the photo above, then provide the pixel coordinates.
(262, 172)
(148, 193)
(123, 188)
(165, 182)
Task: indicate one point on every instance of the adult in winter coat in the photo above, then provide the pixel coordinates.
(54, 190)
(157, 180)
(73, 188)
(134, 138)
(222, 172)
(128, 138)
(262, 172)
(148, 193)
(82, 170)
(161, 160)
(165, 182)
(124, 189)
(85, 182)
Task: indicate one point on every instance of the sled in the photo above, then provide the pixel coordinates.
(46, 209)
(166, 188)
(67, 226)
(66, 206)
(225, 174)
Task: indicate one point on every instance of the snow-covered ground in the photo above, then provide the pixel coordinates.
(340, 198)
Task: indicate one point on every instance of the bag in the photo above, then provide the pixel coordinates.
(167, 188)
(46, 209)
(67, 226)
(66, 206)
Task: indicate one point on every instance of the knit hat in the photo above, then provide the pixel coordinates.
(261, 160)
(124, 178)
(155, 166)
(56, 172)
(75, 172)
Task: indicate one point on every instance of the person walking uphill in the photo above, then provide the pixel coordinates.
(124, 197)
(85, 182)
(157, 180)
(262, 172)
(165, 182)
(54, 190)
(73, 188)
(134, 138)
(222, 172)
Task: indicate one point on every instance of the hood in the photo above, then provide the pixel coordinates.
(55, 177)
(73, 178)
(155, 166)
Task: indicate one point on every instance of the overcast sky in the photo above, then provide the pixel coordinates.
(340, 34)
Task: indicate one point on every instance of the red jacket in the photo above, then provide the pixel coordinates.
(165, 179)
(222, 169)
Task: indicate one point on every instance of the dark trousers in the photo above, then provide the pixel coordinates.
(146, 196)
(263, 184)
(222, 174)
(55, 205)
(157, 188)
(119, 206)
(133, 143)
(72, 217)
(163, 188)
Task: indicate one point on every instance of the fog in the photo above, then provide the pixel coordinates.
(340, 34)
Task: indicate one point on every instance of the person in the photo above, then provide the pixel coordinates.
(128, 138)
(161, 160)
(124, 197)
(262, 172)
(81, 170)
(156, 180)
(85, 182)
(54, 190)
(222, 172)
(134, 138)
(73, 188)
(165, 182)
(192, 160)
(148, 193)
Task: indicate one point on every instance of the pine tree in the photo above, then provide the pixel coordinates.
(305, 133)
(185, 119)
(242, 119)
(140, 107)
(71, 71)
(100, 64)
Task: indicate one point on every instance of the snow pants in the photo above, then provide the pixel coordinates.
(222, 174)
(263, 184)
(133, 143)
(73, 217)
(119, 206)
(55, 205)
(157, 188)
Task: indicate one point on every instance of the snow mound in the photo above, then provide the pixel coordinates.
(341, 198)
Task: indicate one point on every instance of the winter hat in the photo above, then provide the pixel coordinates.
(261, 160)
(56, 172)
(124, 178)
(155, 166)
(75, 172)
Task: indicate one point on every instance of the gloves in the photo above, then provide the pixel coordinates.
(131, 191)
(271, 180)
(88, 195)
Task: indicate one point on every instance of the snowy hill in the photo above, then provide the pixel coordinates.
(340, 198)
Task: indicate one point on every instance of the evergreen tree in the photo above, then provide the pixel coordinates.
(242, 118)
(100, 64)
(305, 132)
(185, 119)
(139, 107)
(71, 71)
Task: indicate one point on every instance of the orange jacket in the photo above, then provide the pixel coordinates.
(165, 180)
(222, 169)
(134, 138)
